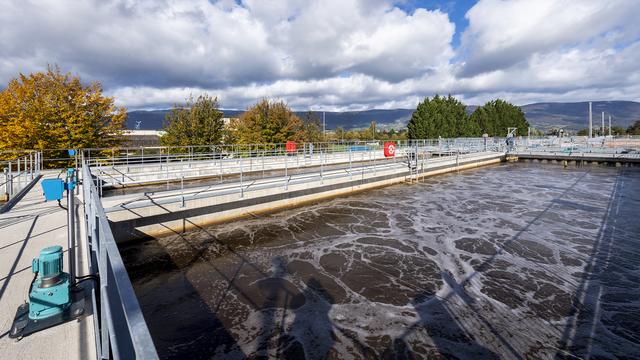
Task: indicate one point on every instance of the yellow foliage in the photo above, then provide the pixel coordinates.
(51, 110)
(268, 122)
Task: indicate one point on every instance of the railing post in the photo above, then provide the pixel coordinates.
(321, 167)
(350, 169)
(241, 185)
(220, 161)
(10, 181)
(6, 184)
(19, 179)
(375, 172)
(286, 172)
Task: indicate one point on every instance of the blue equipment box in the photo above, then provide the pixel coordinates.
(53, 189)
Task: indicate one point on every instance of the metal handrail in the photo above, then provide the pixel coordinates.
(122, 332)
(175, 167)
(181, 196)
(19, 173)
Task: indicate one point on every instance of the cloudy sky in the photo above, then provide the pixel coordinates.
(331, 54)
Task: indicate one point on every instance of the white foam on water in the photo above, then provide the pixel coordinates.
(485, 263)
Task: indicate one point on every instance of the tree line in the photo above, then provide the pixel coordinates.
(447, 117)
(54, 110)
(199, 121)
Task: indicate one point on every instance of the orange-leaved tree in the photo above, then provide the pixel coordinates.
(268, 122)
(52, 110)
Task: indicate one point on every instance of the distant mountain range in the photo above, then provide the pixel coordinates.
(543, 116)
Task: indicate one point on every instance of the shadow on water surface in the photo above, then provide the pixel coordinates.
(185, 325)
(605, 316)
(292, 312)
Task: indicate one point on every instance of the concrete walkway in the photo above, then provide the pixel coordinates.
(30, 226)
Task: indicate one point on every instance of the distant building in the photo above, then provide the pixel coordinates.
(142, 137)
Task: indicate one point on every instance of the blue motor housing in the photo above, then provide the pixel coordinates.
(49, 293)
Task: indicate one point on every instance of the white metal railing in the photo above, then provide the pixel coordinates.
(122, 332)
(19, 173)
(412, 166)
(173, 167)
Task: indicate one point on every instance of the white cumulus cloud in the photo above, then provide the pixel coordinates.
(328, 54)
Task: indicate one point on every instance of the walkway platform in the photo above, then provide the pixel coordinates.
(31, 225)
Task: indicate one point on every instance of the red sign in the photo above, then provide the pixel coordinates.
(389, 149)
(291, 146)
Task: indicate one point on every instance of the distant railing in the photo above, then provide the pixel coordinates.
(59, 159)
(164, 154)
(121, 332)
(187, 163)
(412, 164)
(19, 173)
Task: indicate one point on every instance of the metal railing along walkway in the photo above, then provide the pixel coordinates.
(19, 174)
(122, 332)
(414, 167)
(171, 167)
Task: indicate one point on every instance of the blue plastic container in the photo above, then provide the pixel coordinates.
(53, 189)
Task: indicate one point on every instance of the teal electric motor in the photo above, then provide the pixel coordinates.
(49, 294)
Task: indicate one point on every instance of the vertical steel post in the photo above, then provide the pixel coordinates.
(6, 184)
(350, 170)
(321, 167)
(71, 232)
(10, 181)
(241, 186)
(77, 174)
(286, 172)
(375, 171)
(590, 120)
(19, 179)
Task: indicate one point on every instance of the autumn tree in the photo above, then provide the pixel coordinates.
(268, 121)
(440, 116)
(52, 110)
(496, 116)
(196, 122)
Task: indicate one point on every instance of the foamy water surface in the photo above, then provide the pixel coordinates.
(510, 261)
